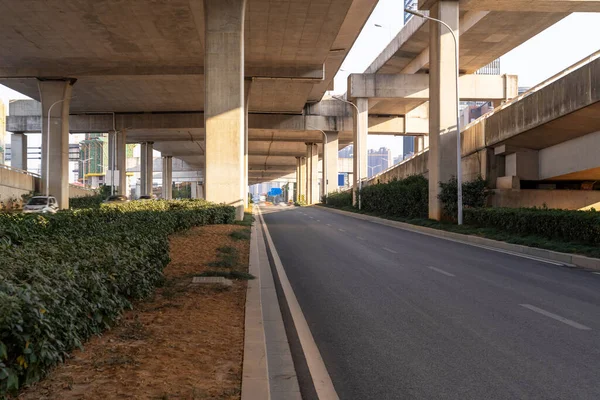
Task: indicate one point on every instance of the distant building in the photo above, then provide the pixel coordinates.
(93, 160)
(408, 146)
(378, 161)
(347, 152)
(492, 68)
(411, 5)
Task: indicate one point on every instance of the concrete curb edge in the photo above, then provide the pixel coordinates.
(568, 259)
(255, 376)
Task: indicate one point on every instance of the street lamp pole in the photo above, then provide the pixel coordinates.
(357, 144)
(458, 152)
(48, 146)
(324, 160)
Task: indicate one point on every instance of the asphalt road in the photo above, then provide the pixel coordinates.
(399, 315)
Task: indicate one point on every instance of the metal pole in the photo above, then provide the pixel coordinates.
(458, 152)
(357, 144)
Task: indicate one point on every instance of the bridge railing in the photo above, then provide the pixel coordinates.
(22, 171)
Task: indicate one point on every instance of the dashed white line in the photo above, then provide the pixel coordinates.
(328, 224)
(596, 273)
(318, 220)
(360, 238)
(556, 317)
(311, 217)
(441, 271)
(341, 230)
(390, 250)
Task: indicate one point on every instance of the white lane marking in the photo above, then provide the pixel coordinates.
(596, 273)
(318, 220)
(360, 238)
(311, 217)
(556, 317)
(328, 224)
(441, 271)
(341, 230)
(390, 250)
(321, 379)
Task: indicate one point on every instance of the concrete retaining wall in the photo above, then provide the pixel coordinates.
(76, 191)
(14, 184)
(565, 199)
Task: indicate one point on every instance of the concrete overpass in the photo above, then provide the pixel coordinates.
(237, 89)
(547, 137)
(219, 58)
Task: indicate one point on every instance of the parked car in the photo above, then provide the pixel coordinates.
(147, 197)
(117, 198)
(41, 205)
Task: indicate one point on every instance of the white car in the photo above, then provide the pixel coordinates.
(41, 205)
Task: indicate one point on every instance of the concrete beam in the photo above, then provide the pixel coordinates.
(308, 73)
(528, 5)
(416, 86)
(101, 123)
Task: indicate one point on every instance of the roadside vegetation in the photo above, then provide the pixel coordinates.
(406, 200)
(69, 276)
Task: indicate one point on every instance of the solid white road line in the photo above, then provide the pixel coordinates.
(390, 250)
(341, 230)
(318, 371)
(596, 273)
(441, 271)
(556, 317)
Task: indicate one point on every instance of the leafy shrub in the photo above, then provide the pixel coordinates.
(474, 195)
(68, 276)
(565, 225)
(405, 198)
(86, 202)
(340, 199)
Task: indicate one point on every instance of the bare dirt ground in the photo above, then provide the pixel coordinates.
(184, 343)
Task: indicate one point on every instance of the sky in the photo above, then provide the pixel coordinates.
(544, 55)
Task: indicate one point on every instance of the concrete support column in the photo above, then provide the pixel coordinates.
(146, 166)
(224, 102)
(247, 87)
(329, 181)
(56, 97)
(297, 191)
(121, 161)
(312, 173)
(302, 195)
(167, 177)
(18, 149)
(360, 130)
(442, 101)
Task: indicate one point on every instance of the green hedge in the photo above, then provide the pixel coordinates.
(339, 199)
(405, 198)
(564, 225)
(474, 195)
(68, 276)
(76, 203)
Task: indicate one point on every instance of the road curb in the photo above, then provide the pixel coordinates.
(268, 369)
(255, 377)
(564, 258)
